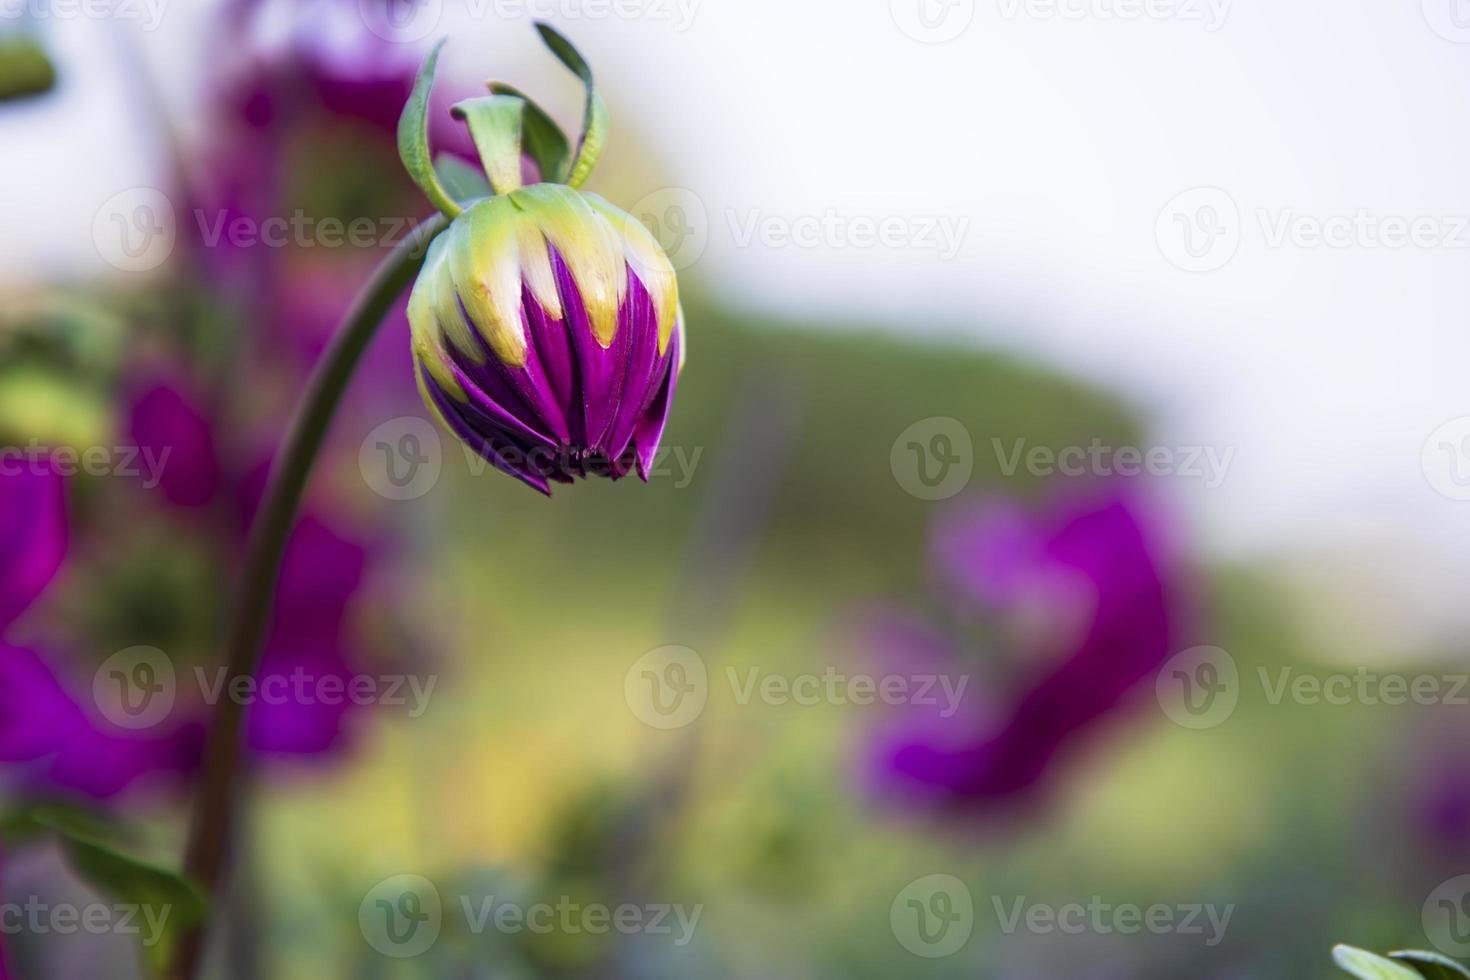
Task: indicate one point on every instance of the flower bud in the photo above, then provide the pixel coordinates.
(547, 334)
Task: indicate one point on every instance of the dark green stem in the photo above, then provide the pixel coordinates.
(214, 806)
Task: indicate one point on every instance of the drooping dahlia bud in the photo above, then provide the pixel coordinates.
(547, 332)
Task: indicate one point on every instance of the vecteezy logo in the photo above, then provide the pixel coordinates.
(933, 458)
(932, 21)
(1199, 230)
(1446, 916)
(134, 230)
(401, 21)
(1199, 687)
(667, 687)
(933, 916)
(677, 218)
(135, 688)
(1450, 19)
(401, 916)
(1445, 459)
(402, 458)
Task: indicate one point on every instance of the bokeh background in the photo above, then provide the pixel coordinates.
(1096, 362)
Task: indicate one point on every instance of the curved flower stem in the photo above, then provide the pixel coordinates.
(214, 806)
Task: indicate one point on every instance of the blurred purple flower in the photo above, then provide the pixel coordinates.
(166, 425)
(40, 723)
(1083, 593)
(47, 723)
(33, 520)
(33, 526)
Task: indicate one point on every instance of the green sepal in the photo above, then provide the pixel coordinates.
(1431, 965)
(543, 138)
(464, 182)
(413, 137)
(1370, 966)
(594, 116)
(495, 126)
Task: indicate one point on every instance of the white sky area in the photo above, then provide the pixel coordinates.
(1052, 134)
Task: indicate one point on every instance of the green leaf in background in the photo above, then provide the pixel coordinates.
(1431, 965)
(413, 137)
(1371, 966)
(464, 182)
(544, 140)
(594, 116)
(25, 69)
(163, 896)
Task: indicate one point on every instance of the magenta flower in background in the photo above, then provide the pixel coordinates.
(33, 526)
(33, 519)
(1082, 598)
(57, 741)
(49, 727)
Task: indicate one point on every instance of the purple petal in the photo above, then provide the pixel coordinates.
(650, 428)
(166, 425)
(638, 320)
(1128, 635)
(34, 528)
(35, 711)
(601, 369)
(69, 748)
(492, 444)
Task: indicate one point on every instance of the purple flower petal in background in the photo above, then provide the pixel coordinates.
(167, 426)
(307, 654)
(1094, 610)
(33, 527)
(33, 705)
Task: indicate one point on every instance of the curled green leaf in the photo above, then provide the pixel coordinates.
(413, 137)
(594, 116)
(495, 126)
(543, 138)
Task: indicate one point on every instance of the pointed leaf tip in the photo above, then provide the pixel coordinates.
(413, 136)
(1370, 966)
(594, 115)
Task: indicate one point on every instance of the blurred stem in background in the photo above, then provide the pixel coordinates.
(210, 827)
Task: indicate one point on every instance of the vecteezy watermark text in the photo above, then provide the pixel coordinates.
(1210, 13)
(1201, 229)
(143, 463)
(402, 916)
(137, 688)
(1205, 463)
(403, 459)
(148, 13)
(38, 917)
(1099, 917)
(1202, 686)
(669, 687)
(942, 234)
